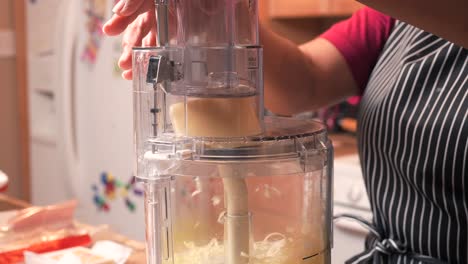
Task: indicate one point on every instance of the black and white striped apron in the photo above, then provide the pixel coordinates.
(413, 138)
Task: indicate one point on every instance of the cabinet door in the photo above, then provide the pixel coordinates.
(311, 8)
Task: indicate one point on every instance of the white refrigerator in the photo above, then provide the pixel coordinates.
(81, 115)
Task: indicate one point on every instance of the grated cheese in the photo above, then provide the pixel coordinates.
(276, 248)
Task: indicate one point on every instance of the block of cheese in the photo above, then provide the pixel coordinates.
(216, 117)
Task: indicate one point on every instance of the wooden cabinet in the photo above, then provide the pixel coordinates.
(311, 8)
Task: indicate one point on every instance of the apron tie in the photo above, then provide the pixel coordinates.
(384, 246)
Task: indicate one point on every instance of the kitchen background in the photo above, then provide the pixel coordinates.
(299, 20)
(49, 139)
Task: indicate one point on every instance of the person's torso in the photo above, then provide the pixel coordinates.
(413, 138)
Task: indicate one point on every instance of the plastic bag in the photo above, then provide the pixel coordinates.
(39, 230)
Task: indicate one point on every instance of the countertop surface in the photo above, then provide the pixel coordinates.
(344, 144)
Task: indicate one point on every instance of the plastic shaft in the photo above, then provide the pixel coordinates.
(162, 23)
(237, 224)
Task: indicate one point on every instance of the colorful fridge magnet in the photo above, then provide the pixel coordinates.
(95, 12)
(112, 189)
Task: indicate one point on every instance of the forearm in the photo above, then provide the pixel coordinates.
(287, 77)
(447, 19)
(305, 78)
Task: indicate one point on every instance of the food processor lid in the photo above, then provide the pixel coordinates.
(288, 146)
(283, 138)
(281, 128)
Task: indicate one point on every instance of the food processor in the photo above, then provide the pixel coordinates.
(223, 183)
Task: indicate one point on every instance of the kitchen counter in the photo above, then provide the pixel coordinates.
(344, 144)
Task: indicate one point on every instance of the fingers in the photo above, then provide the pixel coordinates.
(127, 75)
(127, 7)
(120, 20)
(134, 35)
(116, 25)
(150, 39)
(137, 19)
(125, 63)
(125, 60)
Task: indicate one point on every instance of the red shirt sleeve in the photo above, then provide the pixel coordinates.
(360, 39)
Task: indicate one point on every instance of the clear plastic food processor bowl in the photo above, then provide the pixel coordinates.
(224, 184)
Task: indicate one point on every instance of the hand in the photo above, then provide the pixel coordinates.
(137, 19)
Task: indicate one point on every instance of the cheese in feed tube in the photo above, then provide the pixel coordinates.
(236, 117)
(217, 117)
